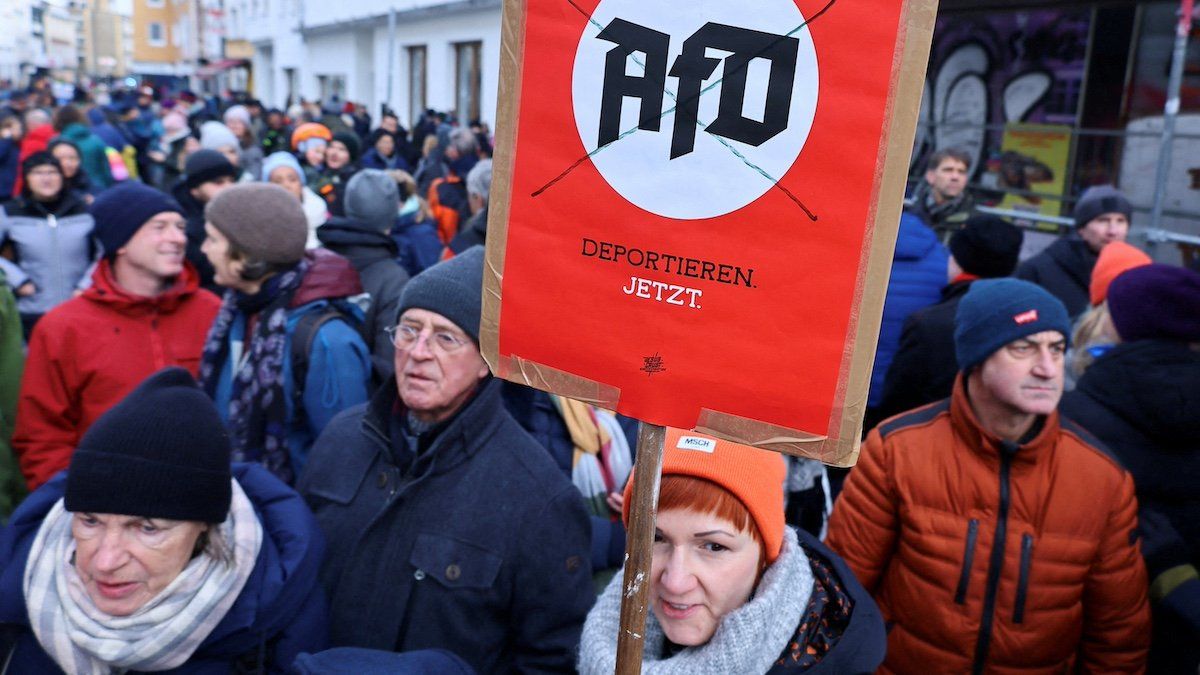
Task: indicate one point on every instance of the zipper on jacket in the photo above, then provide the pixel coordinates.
(1023, 578)
(996, 564)
(964, 578)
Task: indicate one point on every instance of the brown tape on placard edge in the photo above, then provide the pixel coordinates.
(540, 376)
(512, 46)
(900, 120)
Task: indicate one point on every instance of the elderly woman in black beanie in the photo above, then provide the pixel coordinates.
(151, 554)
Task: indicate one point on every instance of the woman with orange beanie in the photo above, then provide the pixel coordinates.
(732, 588)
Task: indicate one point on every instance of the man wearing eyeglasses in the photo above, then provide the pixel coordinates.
(448, 526)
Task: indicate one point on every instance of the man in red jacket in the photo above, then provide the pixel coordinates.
(993, 533)
(144, 311)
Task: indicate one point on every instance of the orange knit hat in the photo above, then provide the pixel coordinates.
(1115, 258)
(755, 477)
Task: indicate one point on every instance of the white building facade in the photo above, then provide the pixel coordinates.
(441, 55)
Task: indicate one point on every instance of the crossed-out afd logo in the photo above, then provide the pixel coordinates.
(694, 112)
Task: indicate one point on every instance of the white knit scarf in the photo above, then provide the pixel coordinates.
(161, 635)
(749, 639)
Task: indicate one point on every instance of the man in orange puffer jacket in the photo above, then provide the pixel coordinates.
(994, 535)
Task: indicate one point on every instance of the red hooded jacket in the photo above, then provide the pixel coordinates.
(89, 352)
(37, 140)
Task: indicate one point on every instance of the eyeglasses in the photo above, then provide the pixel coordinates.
(406, 336)
(44, 172)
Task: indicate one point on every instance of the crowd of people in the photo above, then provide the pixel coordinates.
(246, 426)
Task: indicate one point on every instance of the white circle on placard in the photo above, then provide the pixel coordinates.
(720, 175)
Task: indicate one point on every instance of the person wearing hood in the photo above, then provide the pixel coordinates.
(917, 276)
(205, 174)
(38, 132)
(120, 152)
(143, 311)
(362, 236)
(250, 155)
(154, 554)
(1102, 216)
(1141, 398)
(284, 170)
(217, 136)
(48, 232)
(341, 162)
(276, 390)
(733, 589)
(70, 123)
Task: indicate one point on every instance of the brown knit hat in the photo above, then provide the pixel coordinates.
(262, 219)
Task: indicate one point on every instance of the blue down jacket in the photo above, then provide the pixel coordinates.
(280, 613)
(918, 275)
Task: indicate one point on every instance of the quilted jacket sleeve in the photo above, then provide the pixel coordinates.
(865, 525)
(1116, 619)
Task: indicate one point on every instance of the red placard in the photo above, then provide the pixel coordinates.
(694, 208)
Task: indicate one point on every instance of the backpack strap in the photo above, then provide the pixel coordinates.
(302, 342)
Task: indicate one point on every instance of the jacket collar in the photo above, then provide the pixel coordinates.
(461, 438)
(977, 439)
(106, 291)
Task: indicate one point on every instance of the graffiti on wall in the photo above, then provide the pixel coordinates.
(1000, 69)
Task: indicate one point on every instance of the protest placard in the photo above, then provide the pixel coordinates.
(694, 208)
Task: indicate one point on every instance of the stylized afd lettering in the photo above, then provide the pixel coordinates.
(691, 68)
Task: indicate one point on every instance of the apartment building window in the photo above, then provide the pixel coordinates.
(158, 36)
(467, 75)
(416, 83)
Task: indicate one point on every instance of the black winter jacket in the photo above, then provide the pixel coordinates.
(478, 545)
(1142, 399)
(924, 367)
(1064, 269)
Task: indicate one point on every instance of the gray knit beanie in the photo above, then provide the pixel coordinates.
(262, 219)
(452, 288)
(214, 136)
(1099, 200)
(373, 199)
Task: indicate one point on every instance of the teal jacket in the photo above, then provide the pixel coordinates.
(93, 154)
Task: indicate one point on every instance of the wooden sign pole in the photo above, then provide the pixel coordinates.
(639, 545)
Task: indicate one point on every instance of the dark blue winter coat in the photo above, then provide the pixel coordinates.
(417, 243)
(918, 275)
(371, 159)
(474, 543)
(355, 661)
(10, 150)
(280, 613)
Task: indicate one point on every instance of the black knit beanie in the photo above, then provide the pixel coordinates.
(351, 142)
(162, 452)
(453, 288)
(40, 158)
(205, 165)
(121, 210)
(986, 246)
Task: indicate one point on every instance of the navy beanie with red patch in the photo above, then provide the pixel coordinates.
(995, 312)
